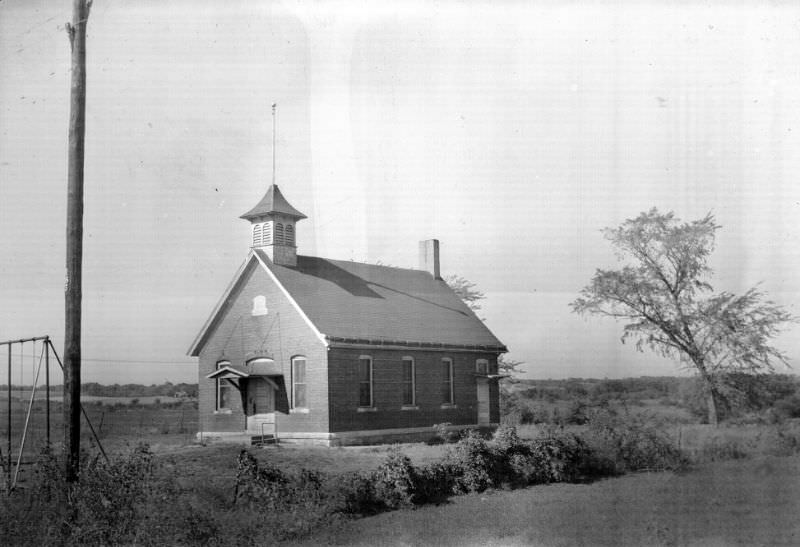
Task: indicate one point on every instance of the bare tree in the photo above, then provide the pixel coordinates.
(670, 308)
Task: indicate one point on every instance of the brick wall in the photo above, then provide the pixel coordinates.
(281, 334)
(388, 392)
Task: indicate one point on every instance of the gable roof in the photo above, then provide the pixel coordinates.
(356, 303)
(272, 202)
(351, 303)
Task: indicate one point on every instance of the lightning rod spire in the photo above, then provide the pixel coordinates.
(274, 107)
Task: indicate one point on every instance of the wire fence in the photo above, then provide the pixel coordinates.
(116, 423)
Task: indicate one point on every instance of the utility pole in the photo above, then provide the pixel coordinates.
(72, 289)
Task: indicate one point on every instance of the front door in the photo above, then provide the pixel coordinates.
(260, 405)
(483, 401)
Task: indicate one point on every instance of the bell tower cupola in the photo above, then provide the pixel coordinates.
(273, 222)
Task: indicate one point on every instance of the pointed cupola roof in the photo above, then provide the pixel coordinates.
(272, 202)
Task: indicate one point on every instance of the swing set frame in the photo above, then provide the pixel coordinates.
(12, 469)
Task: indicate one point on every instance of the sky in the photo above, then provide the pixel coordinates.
(513, 132)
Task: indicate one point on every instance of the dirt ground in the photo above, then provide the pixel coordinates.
(742, 502)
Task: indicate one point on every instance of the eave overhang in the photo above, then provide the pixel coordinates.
(337, 341)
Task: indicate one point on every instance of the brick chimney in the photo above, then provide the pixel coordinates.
(429, 257)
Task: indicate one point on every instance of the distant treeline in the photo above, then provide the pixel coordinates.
(167, 389)
(769, 386)
(532, 400)
(644, 387)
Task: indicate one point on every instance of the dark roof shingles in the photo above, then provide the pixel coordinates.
(352, 300)
(273, 202)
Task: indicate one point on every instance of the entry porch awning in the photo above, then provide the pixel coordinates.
(228, 372)
(234, 372)
(491, 376)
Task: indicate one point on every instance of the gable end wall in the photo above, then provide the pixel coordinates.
(281, 334)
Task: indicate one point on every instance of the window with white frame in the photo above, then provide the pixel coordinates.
(409, 382)
(299, 382)
(447, 381)
(365, 390)
(224, 390)
(259, 306)
(482, 366)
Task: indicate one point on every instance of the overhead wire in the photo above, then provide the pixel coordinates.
(143, 361)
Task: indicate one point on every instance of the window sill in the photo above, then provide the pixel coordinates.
(409, 407)
(298, 411)
(366, 409)
(223, 411)
(448, 405)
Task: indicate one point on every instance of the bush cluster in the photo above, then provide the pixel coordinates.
(622, 442)
(112, 503)
(472, 464)
(136, 500)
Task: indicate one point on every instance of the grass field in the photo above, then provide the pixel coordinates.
(743, 502)
(743, 487)
(753, 501)
(118, 422)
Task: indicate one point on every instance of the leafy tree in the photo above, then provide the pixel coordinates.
(468, 292)
(670, 308)
(509, 366)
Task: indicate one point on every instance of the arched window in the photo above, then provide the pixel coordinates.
(288, 236)
(299, 382)
(447, 381)
(223, 399)
(259, 306)
(256, 235)
(278, 233)
(365, 391)
(266, 234)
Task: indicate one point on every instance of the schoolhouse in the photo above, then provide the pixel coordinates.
(336, 352)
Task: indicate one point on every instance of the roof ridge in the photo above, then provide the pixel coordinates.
(372, 264)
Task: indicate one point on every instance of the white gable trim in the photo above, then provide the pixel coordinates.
(195, 347)
(198, 341)
(293, 302)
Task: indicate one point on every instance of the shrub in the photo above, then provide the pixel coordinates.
(627, 443)
(565, 457)
(433, 483)
(114, 502)
(788, 407)
(578, 413)
(395, 481)
(263, 485)
(355, 493)
(444, 433)
(471, 461)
